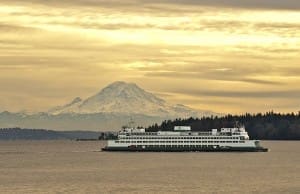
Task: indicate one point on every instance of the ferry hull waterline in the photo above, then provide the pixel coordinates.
(190, 149)
(182, 139)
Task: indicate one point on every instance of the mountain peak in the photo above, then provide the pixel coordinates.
(120, 85)
(125, 98)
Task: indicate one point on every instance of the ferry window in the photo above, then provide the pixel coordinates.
(116, 141)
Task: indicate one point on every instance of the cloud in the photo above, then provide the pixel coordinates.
(54, 50)
(282, 94)
(211, 76)
(248, 4)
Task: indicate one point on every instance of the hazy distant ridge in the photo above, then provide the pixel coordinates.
(43, 134)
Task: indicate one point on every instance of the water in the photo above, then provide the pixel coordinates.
(78, 167)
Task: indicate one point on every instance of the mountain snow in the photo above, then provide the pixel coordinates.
(125, 98)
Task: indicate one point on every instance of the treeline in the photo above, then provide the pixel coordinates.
(42, 134)
(267, 126)
(108, 135)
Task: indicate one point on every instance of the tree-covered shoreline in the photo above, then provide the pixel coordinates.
(265, 126)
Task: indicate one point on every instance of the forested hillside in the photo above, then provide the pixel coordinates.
(268, 126)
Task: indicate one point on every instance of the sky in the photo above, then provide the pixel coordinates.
(228, 57)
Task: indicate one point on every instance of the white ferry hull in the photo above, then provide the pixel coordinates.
(185, 149)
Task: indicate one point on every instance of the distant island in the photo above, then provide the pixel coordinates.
(43, 134)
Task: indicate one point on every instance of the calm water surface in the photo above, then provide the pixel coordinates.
(78, 167)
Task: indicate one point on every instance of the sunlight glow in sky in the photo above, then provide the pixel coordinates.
(228, 58)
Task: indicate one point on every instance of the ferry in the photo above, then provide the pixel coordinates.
(183, 139)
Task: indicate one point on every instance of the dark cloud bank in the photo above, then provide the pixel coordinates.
(247, 4)
(257, 4)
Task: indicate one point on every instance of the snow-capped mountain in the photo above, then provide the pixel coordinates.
(125, 98)
(111, 108)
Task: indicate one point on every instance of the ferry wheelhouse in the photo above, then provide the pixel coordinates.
(182, 139)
